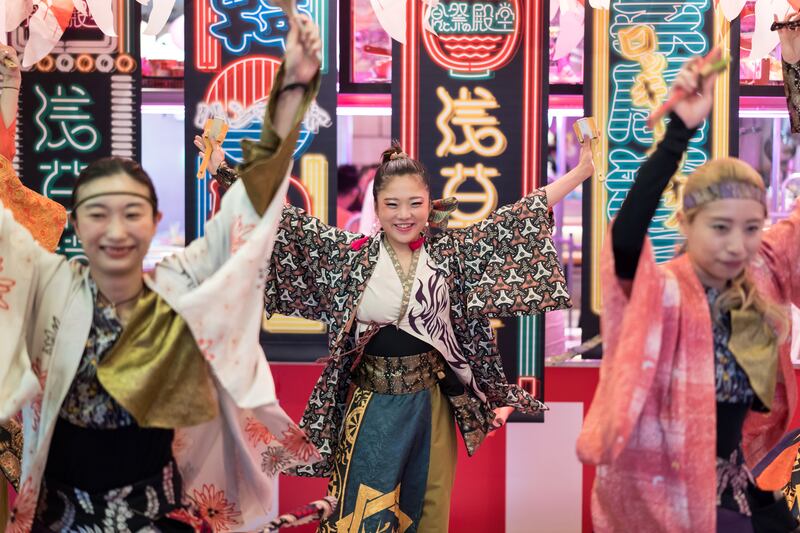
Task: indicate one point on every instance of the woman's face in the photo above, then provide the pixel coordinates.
(722, 238)
(117, 226)
(402, 207)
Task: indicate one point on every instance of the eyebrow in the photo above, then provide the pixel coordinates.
(396, 199)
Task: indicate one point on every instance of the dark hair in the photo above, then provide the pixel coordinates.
(108, 166)
(400, 165)
(346, 178)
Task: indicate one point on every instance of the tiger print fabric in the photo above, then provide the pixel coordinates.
(504, 266)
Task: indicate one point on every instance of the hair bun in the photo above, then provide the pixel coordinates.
(395, 151)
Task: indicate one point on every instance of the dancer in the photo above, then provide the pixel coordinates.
(44, 219)
(696, 381)
(148, 403)
(410, 342)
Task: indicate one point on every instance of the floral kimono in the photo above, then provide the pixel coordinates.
(504, 266)
(188, 360)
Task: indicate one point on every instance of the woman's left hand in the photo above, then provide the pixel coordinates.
(501, 416)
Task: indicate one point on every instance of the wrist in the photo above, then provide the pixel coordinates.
(11, 83)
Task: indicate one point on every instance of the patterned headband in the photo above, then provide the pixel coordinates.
(120, 193)
(725, 190)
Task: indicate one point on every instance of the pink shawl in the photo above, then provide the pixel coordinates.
(651, 428)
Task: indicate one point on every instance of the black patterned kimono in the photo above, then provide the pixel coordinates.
(504, 266)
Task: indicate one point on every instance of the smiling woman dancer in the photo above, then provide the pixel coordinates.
(147, 402)
(696, 381)
(410, 342)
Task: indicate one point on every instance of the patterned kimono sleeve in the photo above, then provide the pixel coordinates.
(307, 266)
(633, 325)
(508, 263)
(791, 87)
(780, 248)
(491, 378)
(780, 252)
(7, 134)
(25, 270)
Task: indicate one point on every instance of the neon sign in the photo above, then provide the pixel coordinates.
(237, 28)
(473, 39)
(638, 54)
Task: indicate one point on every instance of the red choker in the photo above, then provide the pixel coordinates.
(414, 245)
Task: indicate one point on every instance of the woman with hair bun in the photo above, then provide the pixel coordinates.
(411, 347)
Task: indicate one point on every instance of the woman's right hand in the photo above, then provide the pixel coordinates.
(699, 90)
(217, 153)
(11, 76)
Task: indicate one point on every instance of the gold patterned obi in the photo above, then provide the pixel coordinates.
(399, 375)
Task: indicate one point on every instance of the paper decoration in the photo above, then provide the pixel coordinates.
(103, 15)
(391, 15)
(159, 16)
(47, 25)
(765, 40)
(571, 34)
(731, 8)
(47, 20)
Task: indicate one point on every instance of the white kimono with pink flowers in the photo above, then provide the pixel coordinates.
(45, 314)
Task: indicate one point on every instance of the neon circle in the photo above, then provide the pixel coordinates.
(65, 63)
(46, 64)
(248, 81)
(478, 54)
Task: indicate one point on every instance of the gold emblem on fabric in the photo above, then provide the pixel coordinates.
(371, 502)
(406, 278)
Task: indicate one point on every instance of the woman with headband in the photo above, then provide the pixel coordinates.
(696, 383)
(147, 403)
(411, 346)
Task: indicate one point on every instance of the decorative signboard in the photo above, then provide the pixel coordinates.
(234, 50)
(637, 50)
(79, 103)
(471, 104)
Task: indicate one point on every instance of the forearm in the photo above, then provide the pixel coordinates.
(791, 88)
(9, 98)
(557, 190)
(268, 161)
(633, 218)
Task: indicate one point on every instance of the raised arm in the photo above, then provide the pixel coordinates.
(10, 80)
(632, 220)
(295, 87)
(564, 185)
(790, 59)
(266, 161)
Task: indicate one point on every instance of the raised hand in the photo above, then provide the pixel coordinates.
(11, 75)
(699, 90)
(217, 153)
(303, 50)
(790, 39)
